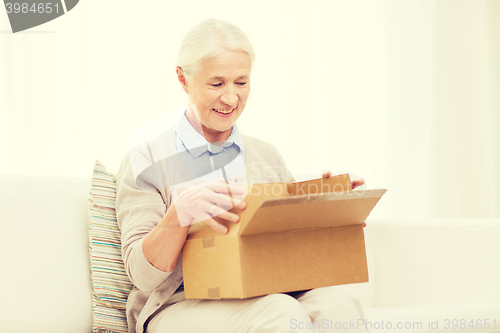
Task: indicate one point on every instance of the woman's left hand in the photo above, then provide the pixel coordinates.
(355, 183)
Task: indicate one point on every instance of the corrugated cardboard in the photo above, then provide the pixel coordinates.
(291, 237)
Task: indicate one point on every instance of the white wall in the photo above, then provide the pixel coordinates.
(402, 93)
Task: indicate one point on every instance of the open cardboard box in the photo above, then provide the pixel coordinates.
(291, 237)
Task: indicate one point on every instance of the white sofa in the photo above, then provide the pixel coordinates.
(421, 272)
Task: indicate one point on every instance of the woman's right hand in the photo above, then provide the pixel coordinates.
(203, 202)
(162, 245)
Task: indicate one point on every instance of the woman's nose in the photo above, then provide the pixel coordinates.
(229, 96)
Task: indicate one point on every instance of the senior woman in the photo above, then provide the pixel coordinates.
(214, 67)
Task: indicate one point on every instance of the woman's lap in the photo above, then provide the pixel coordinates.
(333, 310)
(270, 313)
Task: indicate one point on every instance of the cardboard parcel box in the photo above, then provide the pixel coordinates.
(291, 237)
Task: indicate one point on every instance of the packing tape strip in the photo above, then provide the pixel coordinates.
(208, 243)
(213, 293)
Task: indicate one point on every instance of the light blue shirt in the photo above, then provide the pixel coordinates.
(208, 161)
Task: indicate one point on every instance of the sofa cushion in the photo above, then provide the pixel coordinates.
(110, 283)
(436, 261)
(439, 318)
(44, 255)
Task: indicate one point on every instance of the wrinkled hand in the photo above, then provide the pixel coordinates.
(355, 183)
(203, 202)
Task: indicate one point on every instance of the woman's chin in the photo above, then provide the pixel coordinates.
(223, 129)
(223, 124)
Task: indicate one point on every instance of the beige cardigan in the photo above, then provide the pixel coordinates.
(139, 210)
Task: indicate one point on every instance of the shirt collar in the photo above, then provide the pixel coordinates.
(196, 144)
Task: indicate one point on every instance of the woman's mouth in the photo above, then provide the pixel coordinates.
(224, 112)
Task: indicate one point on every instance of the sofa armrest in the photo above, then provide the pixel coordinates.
(436, 261)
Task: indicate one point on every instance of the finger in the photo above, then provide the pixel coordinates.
(238, 199)
(211, 210)
(216, 226)
(223, 201)
(242, 205)
(327, 174)
(226, 215)
(357, 183)
(222, 187)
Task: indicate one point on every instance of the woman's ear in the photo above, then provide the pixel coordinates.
(181, 78)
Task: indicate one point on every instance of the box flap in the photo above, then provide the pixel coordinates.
(339, 183)
(312, 211)
(257, 193)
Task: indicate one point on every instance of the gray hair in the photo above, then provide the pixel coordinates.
(206, 40)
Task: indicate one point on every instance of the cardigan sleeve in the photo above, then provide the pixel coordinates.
(138, 210)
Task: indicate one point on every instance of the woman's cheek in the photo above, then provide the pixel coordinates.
(246, 94)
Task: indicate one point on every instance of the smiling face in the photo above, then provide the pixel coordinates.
(218, 93)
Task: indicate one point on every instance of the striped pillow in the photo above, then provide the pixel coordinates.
(110, 283)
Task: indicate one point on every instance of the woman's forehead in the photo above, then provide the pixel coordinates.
(229, 64)
(241, 77)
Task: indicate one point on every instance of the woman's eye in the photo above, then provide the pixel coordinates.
(241, 83)
(216, 84)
